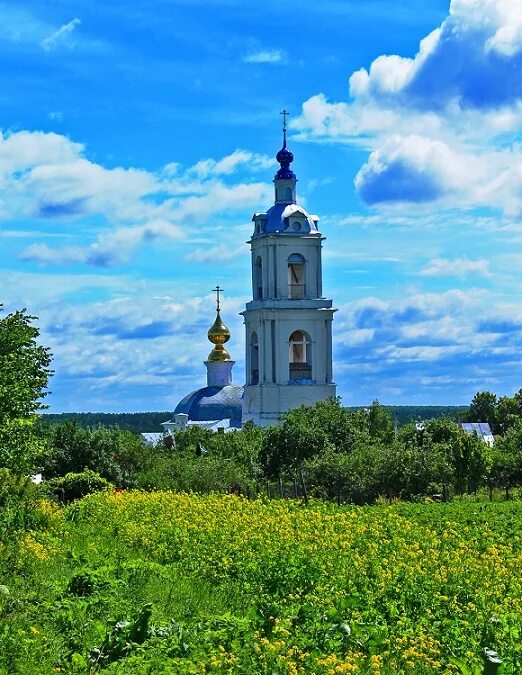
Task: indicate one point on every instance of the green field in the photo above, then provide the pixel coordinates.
(132, 582)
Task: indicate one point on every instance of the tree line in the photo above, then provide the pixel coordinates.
(142, 422)
(139, 422)
(349, 456)
(355, 455)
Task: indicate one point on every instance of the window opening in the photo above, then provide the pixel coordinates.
(258, 281)
(254, 359)
(296, 277)
(300, 356)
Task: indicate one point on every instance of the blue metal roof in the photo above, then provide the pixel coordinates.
(482, 429)
(276, 219)
(213, 403)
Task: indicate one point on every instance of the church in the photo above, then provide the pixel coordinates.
(288, 323)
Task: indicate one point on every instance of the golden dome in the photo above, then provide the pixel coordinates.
(218, 334)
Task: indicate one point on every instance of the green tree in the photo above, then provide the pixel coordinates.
(469, 459)
(24, 373)
(355, 477)
(308, 431)
(441, 455)
(380, 423)
(509, 411)
(483, 408)
(285, 448)
(328, 474)
(506, 470)
(363, 482)
(112, 453)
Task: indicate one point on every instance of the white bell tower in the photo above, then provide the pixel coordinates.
(288, 322)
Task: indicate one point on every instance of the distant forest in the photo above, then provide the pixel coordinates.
(137, 422)
(151, 421)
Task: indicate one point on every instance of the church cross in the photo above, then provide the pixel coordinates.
(284, 113)
(217, 291)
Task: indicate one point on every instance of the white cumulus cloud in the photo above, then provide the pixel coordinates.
(458, 267)
(61, 35)
(454, 61)
(47, 177)
(443, 124)
(412, 168)
(265, 56)
(216, 254)
(231, 163)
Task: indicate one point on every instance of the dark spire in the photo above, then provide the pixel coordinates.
(284, 156)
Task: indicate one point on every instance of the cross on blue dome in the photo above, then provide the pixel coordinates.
(284, 156)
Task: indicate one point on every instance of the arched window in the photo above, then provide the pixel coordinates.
(258, 278)
(288, 194)
(300, 356)
(296, 277)
(254, 359)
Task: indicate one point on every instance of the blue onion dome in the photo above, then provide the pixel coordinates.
(285, 158)
(213, 403)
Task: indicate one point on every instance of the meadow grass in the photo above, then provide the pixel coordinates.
(135, 582)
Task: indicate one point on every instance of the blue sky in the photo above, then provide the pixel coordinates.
(138, 139)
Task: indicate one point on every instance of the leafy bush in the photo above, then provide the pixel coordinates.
(112, 453)
(227, 459)
(76, 485)
(85, 582)
(354, 477)
(24, 372)
(19, 502)
(502, 413)
(328, 475)
(505, 459)
(122, 638)
(186, 473)
(285, 448)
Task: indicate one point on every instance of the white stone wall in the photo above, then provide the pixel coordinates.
(264, 403)
(274, 251)
(274, 328)
(219, 373)
(278, 311)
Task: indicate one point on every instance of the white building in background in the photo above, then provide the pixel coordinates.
(288, 322)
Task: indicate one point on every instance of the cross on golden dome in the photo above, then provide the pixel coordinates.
(218, 333)
(217, 291)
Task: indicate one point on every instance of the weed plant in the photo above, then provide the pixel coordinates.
(133, 582)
